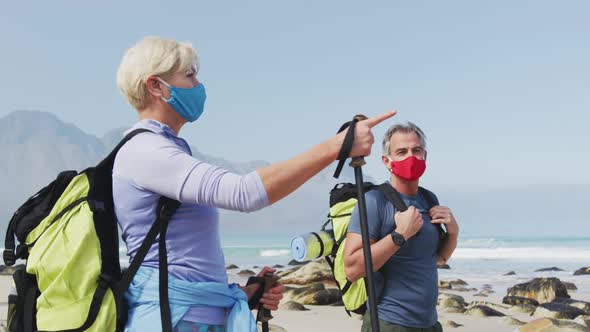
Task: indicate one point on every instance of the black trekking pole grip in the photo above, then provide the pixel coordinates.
(358, 161)
(264, 315)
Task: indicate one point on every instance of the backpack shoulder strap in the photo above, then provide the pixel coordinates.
(166, 208)
(393, 196)
(109, 161)
(427, 197)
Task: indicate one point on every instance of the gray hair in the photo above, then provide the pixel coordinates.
(407, 127)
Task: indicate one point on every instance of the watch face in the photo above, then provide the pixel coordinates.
(398, 239)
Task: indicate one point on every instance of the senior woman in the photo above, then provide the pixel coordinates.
(159, 78)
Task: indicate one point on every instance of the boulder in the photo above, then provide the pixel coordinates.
(316, 271)
(451, 324)
(333, 296)
(443, 266)
(457, 282)
(582, 271)
(451, 284)
(583, 305)
(483, 311)
(549, 269)
(324, 297)
(231, 267)
(480, 294)
(512, 321)
(514, 300)
(541, 289)
(455, 310)
(488, 304)
(316, 294)
(337, 304)
(558, 311)
(293, 306)
(296, 263)
(444, 284)
(452, 302)
(277, 266)
(486, 286)
(570, 285)
(292, 293)
(464, 289)
(551, 325)
(443, 296)
(583, 320)
(511, 273)
(487, 291)
(523, 308)
(246, 273)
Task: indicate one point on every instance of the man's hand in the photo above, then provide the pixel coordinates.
(443, 215)
(409, 222)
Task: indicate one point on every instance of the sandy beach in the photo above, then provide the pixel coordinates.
(333, 318)
(327, 318)
(322, 318)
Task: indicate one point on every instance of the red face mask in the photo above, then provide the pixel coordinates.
(409, 169)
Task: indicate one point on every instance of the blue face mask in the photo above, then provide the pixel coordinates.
(189, 102)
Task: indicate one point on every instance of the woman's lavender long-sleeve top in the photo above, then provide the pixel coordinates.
(153, 165)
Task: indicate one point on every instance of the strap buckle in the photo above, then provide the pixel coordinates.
(9, 257)
(168, 209)
(22, 251)
(105, 281)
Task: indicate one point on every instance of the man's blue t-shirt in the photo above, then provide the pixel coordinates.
(407, 285)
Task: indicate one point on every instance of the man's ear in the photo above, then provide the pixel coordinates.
(386, 162)
(425, 154)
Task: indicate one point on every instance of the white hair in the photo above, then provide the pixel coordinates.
(152, 56)
(407, 127)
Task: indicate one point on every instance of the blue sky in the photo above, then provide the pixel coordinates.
(502, 88)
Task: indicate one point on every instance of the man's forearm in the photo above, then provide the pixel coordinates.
(381, 251)
(448, 247)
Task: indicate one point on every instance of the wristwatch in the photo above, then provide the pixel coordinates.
(398, 239)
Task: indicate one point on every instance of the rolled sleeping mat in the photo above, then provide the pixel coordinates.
(312, 245)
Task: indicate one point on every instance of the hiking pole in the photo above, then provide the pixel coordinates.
(357, 163)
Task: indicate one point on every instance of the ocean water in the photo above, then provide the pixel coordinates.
(477, 260)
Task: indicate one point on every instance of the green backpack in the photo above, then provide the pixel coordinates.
(68, 235)
(343, 199)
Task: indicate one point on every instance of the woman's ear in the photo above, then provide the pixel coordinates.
(156, 88)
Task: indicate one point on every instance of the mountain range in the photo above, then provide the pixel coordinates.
(35, 146)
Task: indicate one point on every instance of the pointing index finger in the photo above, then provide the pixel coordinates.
(372, 122)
